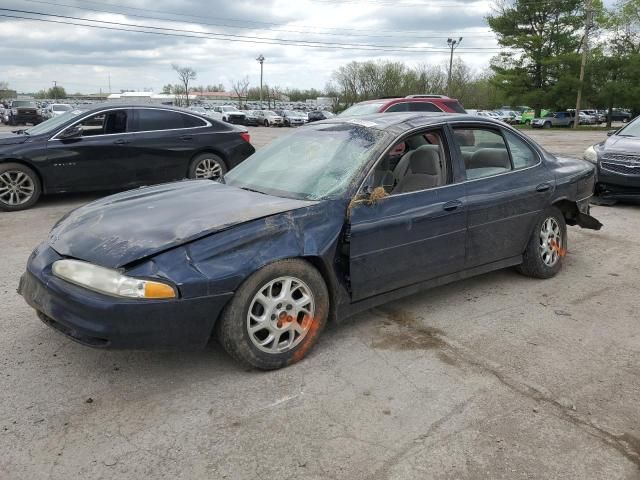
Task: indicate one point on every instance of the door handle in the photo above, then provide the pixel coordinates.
(186, 138)
(121, 141)
(452, 206)
(543, 187)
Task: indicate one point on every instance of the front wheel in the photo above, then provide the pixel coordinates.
(207, 166)
(546, 125)
(266, 123)
(276, 315)
(547, 246)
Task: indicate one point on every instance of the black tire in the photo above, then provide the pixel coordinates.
(33, 178)
(12, 122)
(533, 264)
(266, 123)
(546, 125)
(527, 122)
(198, 159)
(232, 330)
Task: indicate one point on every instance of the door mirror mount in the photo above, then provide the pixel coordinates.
(611, 132)
(72, 132)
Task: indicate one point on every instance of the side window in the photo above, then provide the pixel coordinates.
(423, 107)
(398, 107)
(151, 119)
(104, 123)
(416, 163)
(483, 150)
(521, 153)
(192, 122)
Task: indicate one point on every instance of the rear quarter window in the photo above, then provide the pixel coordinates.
(455, 106)
(424, 107)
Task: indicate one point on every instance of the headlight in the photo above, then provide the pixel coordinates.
(110, 282)
(590, 155)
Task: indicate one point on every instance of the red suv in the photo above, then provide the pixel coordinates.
(411, 103)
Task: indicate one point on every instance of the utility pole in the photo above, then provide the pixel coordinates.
(261, 60)
(453, 44)
(588, 23)
(55, 91)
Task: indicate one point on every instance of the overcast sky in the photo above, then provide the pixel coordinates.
(35, 53)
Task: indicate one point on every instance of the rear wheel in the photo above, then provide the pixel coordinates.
(266, 123)
(547, 246)
(19, 187)
(276, 316)
(546, 125)
(207, 165)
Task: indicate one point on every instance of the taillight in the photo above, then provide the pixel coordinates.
(246, 137)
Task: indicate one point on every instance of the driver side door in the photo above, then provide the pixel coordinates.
(96, 159)
(417, 232)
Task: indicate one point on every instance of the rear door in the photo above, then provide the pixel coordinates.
(507, 188)
(98, 159)
(164, 143)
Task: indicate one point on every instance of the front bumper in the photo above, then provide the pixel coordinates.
(27, 118)
(618, 180)
(102, 321)
(236, 119)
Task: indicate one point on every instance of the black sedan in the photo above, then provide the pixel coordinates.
(115, 146)
(618, 164)
(335, 218)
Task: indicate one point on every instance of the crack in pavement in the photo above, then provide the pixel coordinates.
(626, 444)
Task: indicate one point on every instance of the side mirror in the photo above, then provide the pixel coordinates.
(74, 131)
(611, 132)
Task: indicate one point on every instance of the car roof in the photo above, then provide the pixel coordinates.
(406, 99)
(100, 106)
(403, 121)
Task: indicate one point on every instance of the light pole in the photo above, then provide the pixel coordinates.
(453, 44)
(55, 90)
(261, 60)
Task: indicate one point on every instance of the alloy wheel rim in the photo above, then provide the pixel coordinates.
(16, 187)
(280, 315)
(208, 168)
(550, 242)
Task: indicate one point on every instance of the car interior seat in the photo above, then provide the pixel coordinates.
(423, 170)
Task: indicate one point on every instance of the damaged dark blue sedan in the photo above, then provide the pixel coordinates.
(334, 218)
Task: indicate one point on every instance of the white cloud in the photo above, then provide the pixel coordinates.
(36, 53)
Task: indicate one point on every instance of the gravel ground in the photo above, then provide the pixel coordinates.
(499, 377)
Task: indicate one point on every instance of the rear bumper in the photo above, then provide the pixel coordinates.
(102, 321)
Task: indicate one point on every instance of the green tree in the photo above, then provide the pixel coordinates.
(539, 36)
(56, 92)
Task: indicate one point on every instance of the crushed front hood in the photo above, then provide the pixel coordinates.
(129, 226)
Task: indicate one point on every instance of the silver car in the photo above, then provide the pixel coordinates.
(269, 118)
